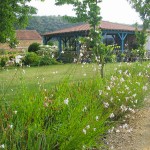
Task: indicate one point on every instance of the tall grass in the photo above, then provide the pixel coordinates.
(74, 114)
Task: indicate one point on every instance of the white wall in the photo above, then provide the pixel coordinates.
(147, 46)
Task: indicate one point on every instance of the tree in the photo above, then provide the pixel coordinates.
(89, 11)
(143, 8)
(13, 13)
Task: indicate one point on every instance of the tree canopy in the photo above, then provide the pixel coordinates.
(13, 13)
(143, 8)
(44, 24)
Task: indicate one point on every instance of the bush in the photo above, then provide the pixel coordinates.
(46, 60)
(34, 47)
(31, 59)
(3, 61)
(3, 52)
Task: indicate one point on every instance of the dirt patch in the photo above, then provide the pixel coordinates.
(134, 135)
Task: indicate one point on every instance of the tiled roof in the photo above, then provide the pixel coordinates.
(28, 35)
(105, 25)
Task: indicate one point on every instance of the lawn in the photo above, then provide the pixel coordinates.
(45, 77)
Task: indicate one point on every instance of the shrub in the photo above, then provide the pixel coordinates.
(34, 47)
(46, 60)
(3, 52)
(3, 61)
(47, 50)
(31, 59)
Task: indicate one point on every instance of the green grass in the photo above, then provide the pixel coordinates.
(67, 110)
(11, 79)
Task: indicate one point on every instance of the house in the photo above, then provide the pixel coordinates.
(25, 38)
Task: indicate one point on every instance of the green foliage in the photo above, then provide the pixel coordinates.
(34, 47)
(68, 56)
(13, 13)
(32, 59)
(142, 7)
(47, 60)
(3, 52)
(44, 24)
(141, 37)
(3, 61)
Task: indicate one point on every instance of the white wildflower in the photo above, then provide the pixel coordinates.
(122, 80)
(145, 88)
(127, 98)
(115, 69)
(84, 74)
(10, 126)
(75, 60)
(106, 94)
(134, 95)
(84, 131)
(106, 105)
(111, 99)
(135, 101)
(125, 126)
(15, 112)
(46, 104)
(81, 54)
(117, 131)
(126, 87)
(52, 55)
(18, 58)
(131, 110)
(120, 71)
(88, 126)
(66, 101)
(108, 88)
(2, 146)
(112, 115)
(84, 109)
(97, 118)
(94, 129)
(130, 130)
(123, 108)
(112, 78)
(84, 147)
(100, 92)
(23, 71)
(140, 74)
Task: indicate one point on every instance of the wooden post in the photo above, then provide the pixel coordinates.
(122, 37)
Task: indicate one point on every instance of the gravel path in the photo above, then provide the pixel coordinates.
(135, 135)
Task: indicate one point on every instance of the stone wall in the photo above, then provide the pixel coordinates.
(23, 44)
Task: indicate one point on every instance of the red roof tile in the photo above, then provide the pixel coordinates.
(28, 35)
(85, 27)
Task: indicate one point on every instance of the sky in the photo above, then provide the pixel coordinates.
(111, 10)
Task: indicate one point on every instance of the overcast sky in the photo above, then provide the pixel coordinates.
(111, 10)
